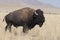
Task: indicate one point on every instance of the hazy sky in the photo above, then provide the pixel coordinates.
(55, 3)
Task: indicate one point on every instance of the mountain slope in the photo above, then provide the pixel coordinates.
(22, 2)
(10, 5)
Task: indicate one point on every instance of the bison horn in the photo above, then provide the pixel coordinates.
(36, 13)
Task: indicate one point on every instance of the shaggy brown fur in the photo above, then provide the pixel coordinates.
(25, 13)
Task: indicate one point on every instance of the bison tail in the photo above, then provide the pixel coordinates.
(3, 19)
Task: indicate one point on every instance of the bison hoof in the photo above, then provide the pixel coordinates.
(25, 30)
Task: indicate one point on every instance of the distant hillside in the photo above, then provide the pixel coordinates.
(23, 2)
(11, 5)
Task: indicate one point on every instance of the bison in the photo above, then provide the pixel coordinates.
(26, 17)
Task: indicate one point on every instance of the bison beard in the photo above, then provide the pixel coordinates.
(25, 17)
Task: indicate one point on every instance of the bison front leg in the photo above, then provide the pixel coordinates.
(25, 28)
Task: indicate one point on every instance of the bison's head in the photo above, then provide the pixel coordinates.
(39, 17)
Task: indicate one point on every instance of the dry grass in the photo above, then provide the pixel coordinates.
(49, 31)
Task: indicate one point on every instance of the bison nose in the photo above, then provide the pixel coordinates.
(40, 24)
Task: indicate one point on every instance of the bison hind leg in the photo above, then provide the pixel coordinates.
(8, 26)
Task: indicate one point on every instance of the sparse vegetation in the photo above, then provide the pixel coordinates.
(49, 31)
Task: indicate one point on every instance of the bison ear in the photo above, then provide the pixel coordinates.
(36, 13)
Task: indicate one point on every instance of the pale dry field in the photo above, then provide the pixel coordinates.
(49, 31)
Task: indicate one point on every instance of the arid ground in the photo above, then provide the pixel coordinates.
(49, 31)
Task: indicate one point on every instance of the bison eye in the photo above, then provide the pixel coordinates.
(36, 13)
